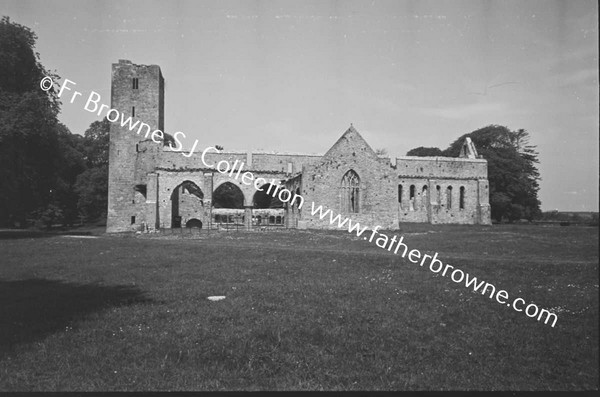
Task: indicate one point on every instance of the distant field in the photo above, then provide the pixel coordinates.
(304, 310)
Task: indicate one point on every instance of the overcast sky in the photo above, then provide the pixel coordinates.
(292, 75)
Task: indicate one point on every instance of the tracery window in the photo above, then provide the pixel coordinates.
(351, 192)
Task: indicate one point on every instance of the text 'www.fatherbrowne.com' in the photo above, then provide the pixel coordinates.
(435, 265)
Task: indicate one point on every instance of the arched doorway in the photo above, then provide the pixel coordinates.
(268, 210)
(228, 206)
(228, 195)
(187, 202)
(194, 223)
(262, 199)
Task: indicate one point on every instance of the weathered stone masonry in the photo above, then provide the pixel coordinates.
(152, 186)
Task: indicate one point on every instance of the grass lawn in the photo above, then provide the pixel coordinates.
(304, 310)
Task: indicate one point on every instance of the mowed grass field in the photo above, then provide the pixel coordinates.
(304, 310)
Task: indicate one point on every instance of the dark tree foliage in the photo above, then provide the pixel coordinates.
(70, 163)
(425, 152)
(92, 190)
(47, 174)
(96, 142)
(92, 184)
(29, 130)
(512, 171)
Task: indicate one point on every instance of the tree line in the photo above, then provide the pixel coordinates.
(48, 175)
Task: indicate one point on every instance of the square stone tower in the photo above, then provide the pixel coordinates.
(136, 91)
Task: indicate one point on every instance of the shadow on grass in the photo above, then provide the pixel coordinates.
(36, 308)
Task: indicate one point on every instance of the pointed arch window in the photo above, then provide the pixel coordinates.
(350, 192)
(400, 195)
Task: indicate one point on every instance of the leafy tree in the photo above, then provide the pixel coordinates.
(425, 152)
(92, 184)
(51, 215)
(96, 143)
(46, 172)
(70, 162)
(29, 144)
(92, 188)
(512, 170)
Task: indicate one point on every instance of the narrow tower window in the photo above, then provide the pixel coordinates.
(400, 194)
(133, 111)
(462, 198)
(412, 199)
(135, 83)
(449, 197)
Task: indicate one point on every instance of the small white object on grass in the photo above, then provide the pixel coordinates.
(215, 298)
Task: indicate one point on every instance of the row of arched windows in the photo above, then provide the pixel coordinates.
(257, 220)
(268, 220)
(415, 202)
(350, 196)
(229, 195)
(228, 218)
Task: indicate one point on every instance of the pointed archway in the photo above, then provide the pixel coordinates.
(187, 202)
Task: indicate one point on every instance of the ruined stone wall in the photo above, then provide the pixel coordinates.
(171, 181)
(415, 207)
(455, 177)
(441, 167)
(439, 200)
(446, 202)
(285, 163)
(190, 207)
(148, 155)
(208, 182)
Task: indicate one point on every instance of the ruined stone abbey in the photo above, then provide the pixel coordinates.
(154, 187)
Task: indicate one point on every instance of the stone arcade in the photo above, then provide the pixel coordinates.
(151, 186)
